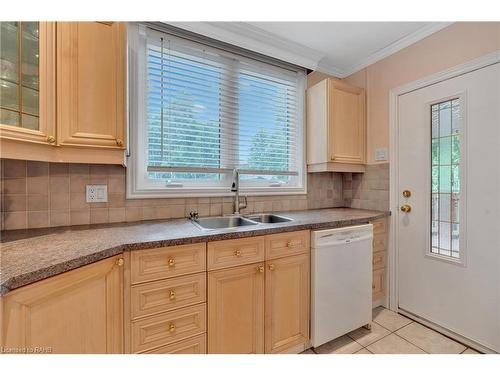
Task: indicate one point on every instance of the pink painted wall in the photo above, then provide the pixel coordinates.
(454, 45)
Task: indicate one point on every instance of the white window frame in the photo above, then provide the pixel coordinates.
(139, 186)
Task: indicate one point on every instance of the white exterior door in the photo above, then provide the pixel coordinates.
(448, 247)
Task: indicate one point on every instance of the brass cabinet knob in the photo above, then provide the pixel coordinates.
(171, 262)
(237, 253)
(51, 139)
(171, 327)
(172, 294)
(120, 262)
(332, 158)
(271, 267)
(406, 208)
(406, 193)
(260, 269)
(119, 142)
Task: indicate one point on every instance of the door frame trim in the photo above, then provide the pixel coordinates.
(455, 71)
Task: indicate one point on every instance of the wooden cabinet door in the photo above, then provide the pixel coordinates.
(236, 310)
(91, 84)
(346, 123)
(287, 303)
(80, 311)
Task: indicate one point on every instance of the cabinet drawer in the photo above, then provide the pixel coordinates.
(378, 284)
(379, 226)
(230, 253)
(159, 330)
(284, 244)
(165, 262)
(379, 260)
(165, 295)
(379, 242)
(195, 345)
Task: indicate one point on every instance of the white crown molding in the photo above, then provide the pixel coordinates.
(397, 46)
(255, 39)
(247, 36)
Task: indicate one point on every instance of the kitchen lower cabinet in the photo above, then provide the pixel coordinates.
(287, 303)
(195, 345)
(79, 311)
(236, 310)
(261, 307)
(379, 261)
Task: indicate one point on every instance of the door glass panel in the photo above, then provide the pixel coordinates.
(445, 178)
(19, 74)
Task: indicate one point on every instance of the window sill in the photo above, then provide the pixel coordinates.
(207, 192)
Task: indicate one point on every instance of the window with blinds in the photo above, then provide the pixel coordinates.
(206, 111)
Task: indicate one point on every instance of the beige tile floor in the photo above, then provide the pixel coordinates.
(392, 333)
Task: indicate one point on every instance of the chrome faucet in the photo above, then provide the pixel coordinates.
(235, 187)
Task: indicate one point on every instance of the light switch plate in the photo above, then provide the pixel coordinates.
(381, 154)
(97, 193)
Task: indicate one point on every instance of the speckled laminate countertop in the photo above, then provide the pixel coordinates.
(27, 256)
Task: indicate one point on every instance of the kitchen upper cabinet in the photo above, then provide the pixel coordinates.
(236, 310)
(27, 81)
(91, 84)
(336, 127)
(63, 95)
(287, 303)
(80, 311)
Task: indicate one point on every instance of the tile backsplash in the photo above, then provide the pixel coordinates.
(369, 190)
(40, 194)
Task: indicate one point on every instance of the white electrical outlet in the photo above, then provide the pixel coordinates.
(97, 193)
(381, 154)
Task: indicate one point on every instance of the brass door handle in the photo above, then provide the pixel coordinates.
(406, 208)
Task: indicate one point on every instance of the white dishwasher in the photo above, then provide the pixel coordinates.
(341, 281)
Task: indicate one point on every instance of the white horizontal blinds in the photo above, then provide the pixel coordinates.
(210, 110)
(183, 114)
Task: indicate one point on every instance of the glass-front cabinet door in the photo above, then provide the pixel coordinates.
(27, 81)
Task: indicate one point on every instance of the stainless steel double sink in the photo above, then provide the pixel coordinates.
(225, 222)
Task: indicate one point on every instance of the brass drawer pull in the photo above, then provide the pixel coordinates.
(271, 267)
(171, 262)
(51, 139)
(260, 269)
(237, 253)
(171, 295)
(120, 262)
(171, 328)
(119, 142)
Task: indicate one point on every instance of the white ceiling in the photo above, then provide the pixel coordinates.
(337, 48)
